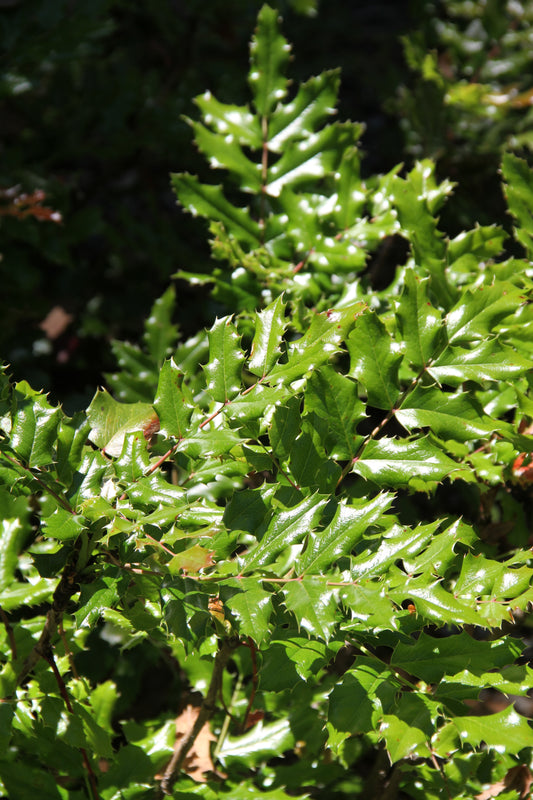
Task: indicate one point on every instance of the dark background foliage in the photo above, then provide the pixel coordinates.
(91, 105)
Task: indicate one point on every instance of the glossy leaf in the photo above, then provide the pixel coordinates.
(224, 368)
(111, 421)
(393, 462)
(346, 528)
(269, 54)
(334, 397)
(286, 528)
(173, 406)
(374, 361)
(269, 330)
(518, 188)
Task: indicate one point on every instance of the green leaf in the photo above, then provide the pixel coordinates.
(285, 427)
(433, 602)
(286, 528)
(160, 334)
(34, 426)
(11, 538)
(478, 312)
(430, 658)
(487, 361)
(311, 158)
(314, 101)
(224, 151)
(456, 416)
(313, 604)
(262, 742)
(224, 368)
(172, 404)
(407, 731)
(269, 54)
(506, 732)
(518, 189)
(356, 704)
(251, 605)
(269, 329)
(111, 421)
(230, 120)
(334, 397)
(350, 522)
(18, 595)
(209, 201)
(420, 324)
(374, 361)
(394, 462)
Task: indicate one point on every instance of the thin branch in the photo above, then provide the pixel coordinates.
(207, 710)
(66, 587)
(57, 497)
(49, 657)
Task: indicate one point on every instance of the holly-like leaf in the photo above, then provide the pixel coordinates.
(430, 658)
(345, 529)
(420, 324)
(506, 732)
(456, 416)
(487, 361)
(209, 201)
(269, 329)
(518, 189)
(34, 426)
(374, 361)
(334, 397)
(314, 605)
(478, 312)
(286, 528)
(393, 462)
(111, 421)
(251, 604)
(224, 368)
(172, 404)
(269, 53)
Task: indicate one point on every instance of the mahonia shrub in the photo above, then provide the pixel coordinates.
(291, 556)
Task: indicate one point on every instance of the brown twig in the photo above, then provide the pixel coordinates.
(207, 710)
(64, 590)
(49, 657)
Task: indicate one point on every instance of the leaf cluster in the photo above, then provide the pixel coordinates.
(273, 509)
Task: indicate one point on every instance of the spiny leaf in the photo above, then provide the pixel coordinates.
(345, 529)
(334, 397)
(487, 361)
(230, 120)
(111, 421)
(478, 312)
(251, 604)
(269, 329)
(209, 201)
(286, 528)
(420, 324)
(269, 52)
(518, 188)
(314, 605)
(430, 658)
(374, 361)
(224, 368)
(172, 404)
(314, 101)
(455, 416)
(393, 462)
(34, 426)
